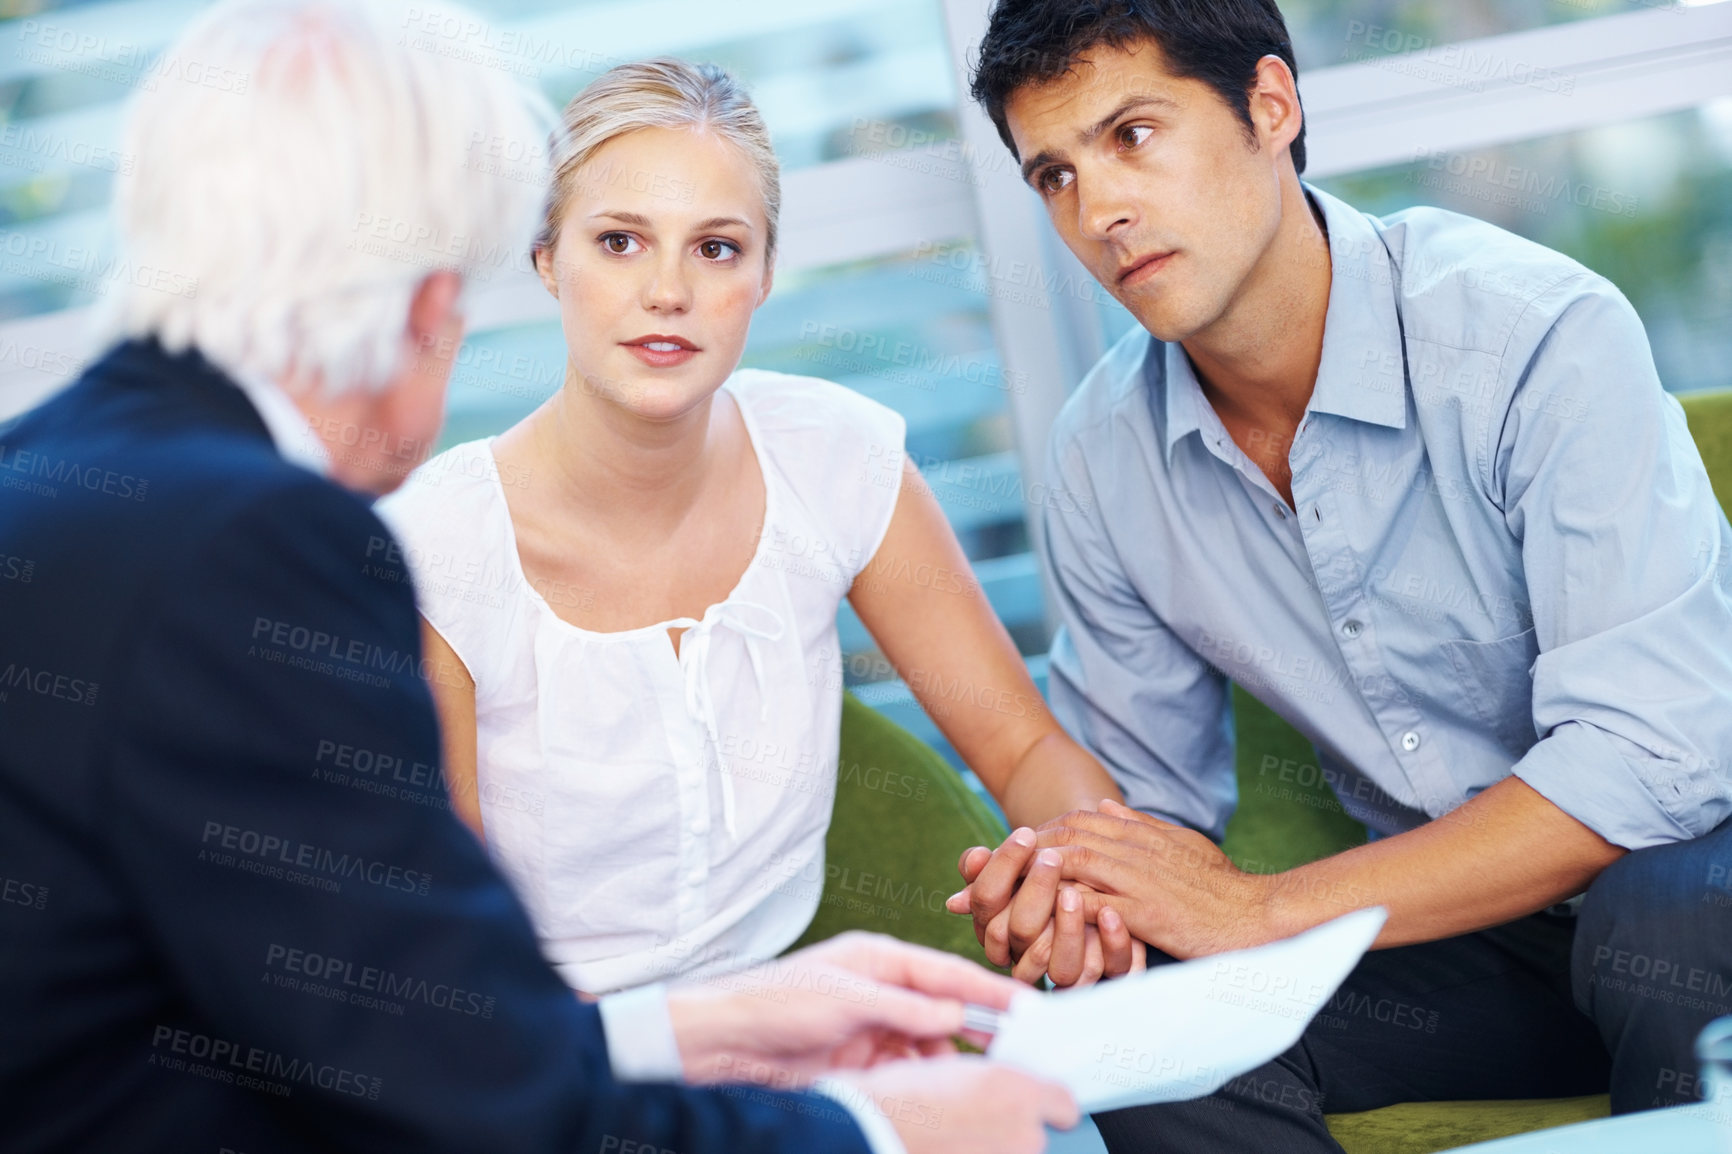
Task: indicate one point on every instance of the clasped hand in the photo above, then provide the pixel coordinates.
(1078, 898)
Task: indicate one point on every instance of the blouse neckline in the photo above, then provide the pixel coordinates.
(756, 443)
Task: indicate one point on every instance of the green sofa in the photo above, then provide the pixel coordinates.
(901, 820)
(903, 815)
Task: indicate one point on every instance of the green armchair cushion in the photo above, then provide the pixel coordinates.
(1425, 1127)
(1710, 417)
(1287, 815)
(902, 817)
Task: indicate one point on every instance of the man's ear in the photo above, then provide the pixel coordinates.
(1275, 111)
(434, 306)
(545, 268)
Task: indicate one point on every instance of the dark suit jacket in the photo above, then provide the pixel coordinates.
(235, 910)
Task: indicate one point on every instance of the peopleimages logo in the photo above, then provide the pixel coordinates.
(359, 979)
(47, 683)
(22, 893)
(1540, 188)
(231, 1062)
(23, 469)
(352, 658)
(268, 852)
(32, 149)
(132, 63)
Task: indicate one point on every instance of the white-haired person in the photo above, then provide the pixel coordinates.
(632, 593)
(213, 938)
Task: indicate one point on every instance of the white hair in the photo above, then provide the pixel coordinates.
(307, 164)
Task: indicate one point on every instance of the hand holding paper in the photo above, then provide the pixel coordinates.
(1183, 1030)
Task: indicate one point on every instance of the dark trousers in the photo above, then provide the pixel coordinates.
(1547, 1007)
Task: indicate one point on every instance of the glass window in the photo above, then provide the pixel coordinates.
(1331, 32)
(834, 78)
(1646, 203)
(914, 333)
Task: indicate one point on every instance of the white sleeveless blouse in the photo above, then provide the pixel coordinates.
(663, 814)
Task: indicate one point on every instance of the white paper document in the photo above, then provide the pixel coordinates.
(1183, 1030)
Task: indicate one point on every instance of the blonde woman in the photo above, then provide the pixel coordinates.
(631, 595)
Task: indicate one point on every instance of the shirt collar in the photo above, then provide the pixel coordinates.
(285, 422)
(1362, 373)
(1184, 394)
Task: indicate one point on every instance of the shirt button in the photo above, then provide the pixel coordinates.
(1350, 628)
(1280, 510)
(695, 877)
(1410, 741)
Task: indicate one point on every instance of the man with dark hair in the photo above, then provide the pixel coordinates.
(1218, 44)
(1414, 483)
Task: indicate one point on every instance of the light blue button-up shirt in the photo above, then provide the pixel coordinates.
(1503, 556)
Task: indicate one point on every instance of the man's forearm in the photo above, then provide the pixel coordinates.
(1502, 855)
(1054, 777)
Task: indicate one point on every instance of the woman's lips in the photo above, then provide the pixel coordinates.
(661, 354)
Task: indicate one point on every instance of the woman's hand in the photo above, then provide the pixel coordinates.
(1084, 942)
(1025, 918)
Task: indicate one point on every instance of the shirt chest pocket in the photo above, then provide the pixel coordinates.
(1492, 684)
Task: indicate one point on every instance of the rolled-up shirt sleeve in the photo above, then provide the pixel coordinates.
(1121, 682)
(1626, 556)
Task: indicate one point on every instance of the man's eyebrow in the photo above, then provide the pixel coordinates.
(1106, 122)
(1039, 160)
(1093, 132)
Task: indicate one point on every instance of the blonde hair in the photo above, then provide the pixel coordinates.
(659, 93)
